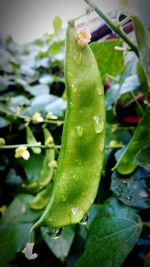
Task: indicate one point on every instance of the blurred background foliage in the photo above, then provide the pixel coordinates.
(32, 110)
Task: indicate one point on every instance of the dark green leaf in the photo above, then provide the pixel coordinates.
(110, 61)
(33, 166)
(133, 190)
(60, 246)
(13, 238)
(19, 211)
(143, 42)
(114, 232)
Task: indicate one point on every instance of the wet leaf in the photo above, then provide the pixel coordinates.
(115, 226)
(133, 190)
(60, 246)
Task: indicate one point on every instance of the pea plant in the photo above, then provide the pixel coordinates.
(75, 146)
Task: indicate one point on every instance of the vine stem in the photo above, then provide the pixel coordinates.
(26, 118)
(29, 146)
(114, 27)
(146, 224)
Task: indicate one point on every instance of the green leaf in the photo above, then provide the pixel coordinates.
(140, 138)
(112, 235)
(13, 239)
(15, 225)
(57, 24)
(142, 158)
(132, 190)
(143, 42)
(32, 141)
(19, 211)
(110, 61)
(61, 246)
(32, 167)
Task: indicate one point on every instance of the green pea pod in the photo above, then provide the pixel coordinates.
(47, 171)
(143, 42)
(41, 199)
(31, 140)
(141, 138)
(49, 161)
(83, 141)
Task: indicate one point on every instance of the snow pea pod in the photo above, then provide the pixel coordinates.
(41, 199)
(83, 140)
(48, 167)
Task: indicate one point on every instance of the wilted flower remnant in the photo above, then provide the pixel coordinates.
(22, 152)
(83, 37)
(28, 251)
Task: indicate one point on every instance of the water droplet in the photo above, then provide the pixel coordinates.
(74, 210)
(100, 90)
(54, 232)
(128, 197)
(79, 130)
(74, 88)
(98, 123)
(84, 219)
(77, 58)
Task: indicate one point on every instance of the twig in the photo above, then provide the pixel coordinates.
(114, 27)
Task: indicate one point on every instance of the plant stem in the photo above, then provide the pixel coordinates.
(127, 19)
(146, 224)
(26, 118)
(114, 27)
(28, 146)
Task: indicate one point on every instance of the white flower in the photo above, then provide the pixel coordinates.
(83, 37)
(37, 117)
(22, 152)
(28, 251)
